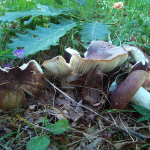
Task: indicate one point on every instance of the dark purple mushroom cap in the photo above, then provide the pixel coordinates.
(102, 54)
(29, 77)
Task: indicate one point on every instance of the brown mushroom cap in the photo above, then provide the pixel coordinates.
(29, 77)
(103, 54)
(57, 67)
(139, 66)
(126, 90)
(146, 84)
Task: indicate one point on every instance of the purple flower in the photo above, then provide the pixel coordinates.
(19, 52)
(5, 65)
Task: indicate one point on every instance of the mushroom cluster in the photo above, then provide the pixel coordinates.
(15, 81)
(102, 54)
(105, 57)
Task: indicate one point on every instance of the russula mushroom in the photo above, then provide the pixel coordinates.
(136, 54)
(126, 90)
(68, 53)
(29, 77)
(139, 66)
(57, 67)
(103, 54)
(145, 67)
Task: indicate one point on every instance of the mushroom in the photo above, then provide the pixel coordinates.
(126, 90)
(136, 54)
(68, 53)
(140, 66)
(57, 67)
(103, 54)
(29, 77)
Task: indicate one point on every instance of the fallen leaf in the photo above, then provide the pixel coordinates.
(125, 145)
(93, 86)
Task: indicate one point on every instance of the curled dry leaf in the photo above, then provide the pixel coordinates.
(93, 86)
(70, 109)
(125, 145)
(29, 77)
(127, 89)
(118, 5)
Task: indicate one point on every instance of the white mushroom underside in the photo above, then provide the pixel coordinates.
(24, 66)
(57, 67)
(82, 65)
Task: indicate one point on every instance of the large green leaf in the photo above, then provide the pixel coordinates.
(38, 143)
(43, 10)
(45, 37)
(93, 31)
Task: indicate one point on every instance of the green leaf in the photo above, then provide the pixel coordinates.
(60, 126)
(144, 118)
(64, 121)
(38, 143)
(115, 110)
(60, 2)
(142, 110)
(43, 10)
(41, 38)
(93, 31)
(49, 126)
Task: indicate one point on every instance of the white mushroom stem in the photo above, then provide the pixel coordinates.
(142, 98)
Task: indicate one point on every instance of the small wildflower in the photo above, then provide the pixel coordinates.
(6, 65)
(118, 5)
(19, 52)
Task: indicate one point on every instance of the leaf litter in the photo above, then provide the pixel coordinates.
(84, 105)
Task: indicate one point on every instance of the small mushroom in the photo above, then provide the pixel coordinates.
(57, 67)
(139, 66)
(136, 54)
(127, 89)
(68, 53)
(103, 54)
(29, 77)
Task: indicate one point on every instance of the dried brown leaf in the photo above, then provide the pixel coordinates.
(93, 86)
